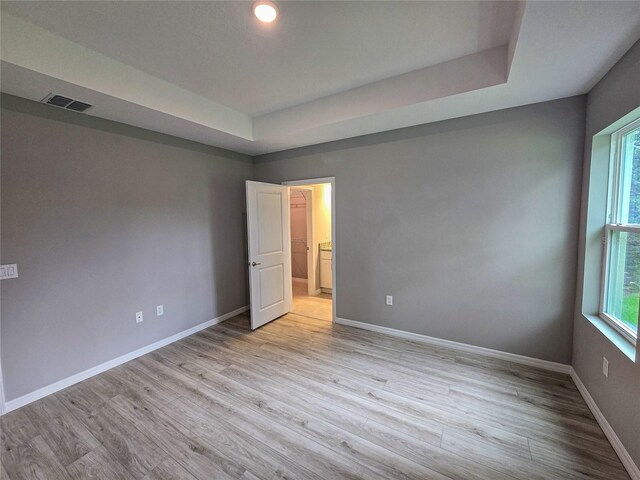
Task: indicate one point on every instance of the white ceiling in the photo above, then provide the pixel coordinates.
(209, 72)
(215, 49)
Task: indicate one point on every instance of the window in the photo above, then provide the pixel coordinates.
(621, 279)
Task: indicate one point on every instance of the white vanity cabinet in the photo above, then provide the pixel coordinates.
(326, 269)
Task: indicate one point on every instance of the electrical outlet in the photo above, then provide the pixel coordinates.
(139, 317)
(389, 300)
(160, 310)
(8, 271)
(605, 366)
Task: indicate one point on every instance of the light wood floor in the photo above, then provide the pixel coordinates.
(318, 306)
(301, 398)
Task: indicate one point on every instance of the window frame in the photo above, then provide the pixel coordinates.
(612, 225)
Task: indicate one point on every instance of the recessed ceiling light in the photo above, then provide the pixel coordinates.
(265, 11)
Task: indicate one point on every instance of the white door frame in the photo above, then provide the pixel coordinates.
(332, 181)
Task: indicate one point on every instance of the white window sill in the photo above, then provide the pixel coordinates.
(624, 345)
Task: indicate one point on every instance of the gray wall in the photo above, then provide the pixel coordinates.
(617, 396)
(105, 220)
(471, 224)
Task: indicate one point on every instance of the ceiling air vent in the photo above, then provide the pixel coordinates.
(66, 102)
(77, 106)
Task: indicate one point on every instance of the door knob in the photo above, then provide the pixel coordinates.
(253, 264)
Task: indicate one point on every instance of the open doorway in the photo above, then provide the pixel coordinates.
(312, 248)
(269, 236)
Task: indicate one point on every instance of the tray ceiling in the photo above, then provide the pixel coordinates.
(209, 72)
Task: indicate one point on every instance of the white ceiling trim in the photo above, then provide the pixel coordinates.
(36, 62)
(33, 48)
(29, 84)
(438, 81)
(556, 49)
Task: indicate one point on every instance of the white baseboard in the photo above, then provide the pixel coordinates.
(78, 377)
(2, 404)
(625, 458)
(464, 347)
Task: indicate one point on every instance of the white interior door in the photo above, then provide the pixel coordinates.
(268, 226)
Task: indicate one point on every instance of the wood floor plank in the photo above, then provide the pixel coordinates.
(486, 433)
(33, 460)
(68, 438)
(495, 417)
(98, 464)
(351, 446)
(343, 405)
(488, 454)
(86, 396)
(135, 451)
(170, 470)
(308, 453)
(302, 398)
(555, 405)
(16, 428)
(167, 409)
(191, 452)
(422, 428)
(249, 476)
(263, 460)
(3, 472)
(578, 461)
(405, 445)
(443, 417)
(385, 365)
